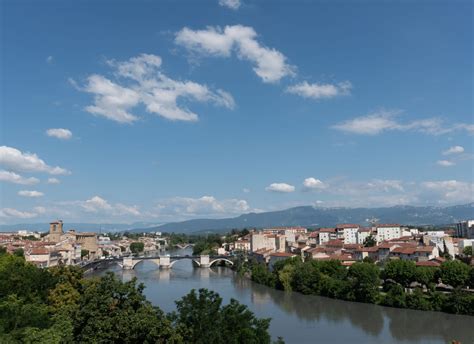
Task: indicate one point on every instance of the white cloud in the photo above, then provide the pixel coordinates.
(59, 133)
(385, 120)
(15, 160)
(246, 190)
(12, 177)
(269, 64)
(203, 206)
(98, 204)
(445, 163)
(49, 59)
(320, 91)
(449, 191)
(14, 213)
(232, 4)
(144, 83)
(453, 150)
(313, 184)
(280, 187)
(53, 181)
(31, 194)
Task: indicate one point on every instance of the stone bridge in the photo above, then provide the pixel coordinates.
(164, 262)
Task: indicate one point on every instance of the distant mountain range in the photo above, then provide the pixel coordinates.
(326, 217)
(298, 216)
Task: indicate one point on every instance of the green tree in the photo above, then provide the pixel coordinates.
(467, 251)
(364, 280)
(395, 296)
(401, 271)
(84, 253)
(137, 247)
(201, 319)
(260, 274)
(454, 273)
(19, 252)
(111, 311)
(425, 275)
(417, 300)
(370, 241)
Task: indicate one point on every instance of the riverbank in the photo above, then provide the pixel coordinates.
(400, 284)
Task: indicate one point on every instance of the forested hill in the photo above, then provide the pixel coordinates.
(316, 216)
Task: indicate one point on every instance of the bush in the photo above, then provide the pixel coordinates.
(401, 271)
(454, 273)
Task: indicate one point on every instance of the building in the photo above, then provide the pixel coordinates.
(347, 232)
(465, 229)
(88, 241)
(388, 232)
(274, 242)
(326, 234)
(55, 231)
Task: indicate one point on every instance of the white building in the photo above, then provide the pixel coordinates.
(347, 232)
(388, 232)
(326, 234)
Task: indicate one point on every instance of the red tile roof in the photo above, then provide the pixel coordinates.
(347, 225)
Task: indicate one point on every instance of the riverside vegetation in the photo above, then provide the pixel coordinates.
(59, 305)
(388, 285)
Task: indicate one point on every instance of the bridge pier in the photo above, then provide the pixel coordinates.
(165, 262)
(128, 263)
(204, 261)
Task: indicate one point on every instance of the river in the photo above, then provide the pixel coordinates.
(300, 318)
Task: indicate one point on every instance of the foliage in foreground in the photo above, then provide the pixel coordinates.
(363, 282)
(59, 305)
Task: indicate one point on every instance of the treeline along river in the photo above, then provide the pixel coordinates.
(301, 318)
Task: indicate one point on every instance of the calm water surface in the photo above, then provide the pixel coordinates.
(301, 318)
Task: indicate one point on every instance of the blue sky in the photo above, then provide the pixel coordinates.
(122, 111)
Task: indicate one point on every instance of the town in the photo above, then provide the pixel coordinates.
(347, 243)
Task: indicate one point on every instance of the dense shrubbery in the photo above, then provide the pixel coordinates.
(58, 305)
(366, 282)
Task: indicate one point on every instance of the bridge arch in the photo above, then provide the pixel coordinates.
(188, 258)
(139, 261)
(221, 260)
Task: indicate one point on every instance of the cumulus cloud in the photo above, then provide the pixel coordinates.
(14, 160)
(280, 187)
(49, 59)
(320, 91)
(445, 163)
(53, 181)
(385, 120)
(202, 206)
(269, 64)
(98, 204)
(449, 191)
(232, 4)
(453, 150)
(16, 214)
(141, 81)
(31, 194)
(12, 177)
(313, 184)
(59, 133)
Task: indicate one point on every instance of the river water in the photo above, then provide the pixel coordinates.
(300, 318)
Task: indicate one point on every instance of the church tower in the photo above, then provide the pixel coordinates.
(55, 231)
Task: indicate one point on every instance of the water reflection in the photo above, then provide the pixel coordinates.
(299, 317)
